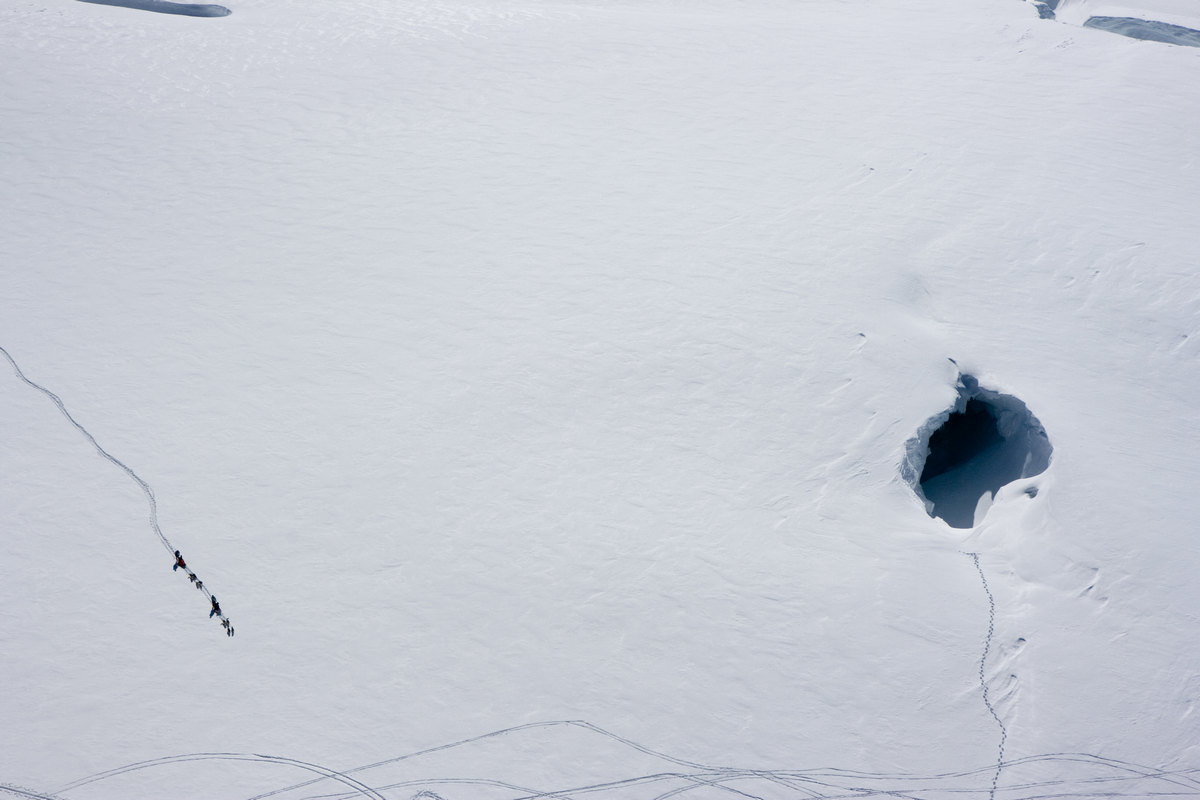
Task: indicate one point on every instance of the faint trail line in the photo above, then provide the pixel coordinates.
(149, 492)
(61, 407)
(987, 649)
(815, 784)
(19, 792)
(701, 768)
(358, 787)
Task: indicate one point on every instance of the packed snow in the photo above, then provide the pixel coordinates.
(544, 388)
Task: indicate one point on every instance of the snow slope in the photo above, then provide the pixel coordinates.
(510, 363)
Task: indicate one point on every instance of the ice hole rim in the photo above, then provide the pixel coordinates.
(1019, 429)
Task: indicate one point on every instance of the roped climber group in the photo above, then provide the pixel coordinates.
(216, 607)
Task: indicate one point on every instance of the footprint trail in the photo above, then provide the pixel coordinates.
(145, 487)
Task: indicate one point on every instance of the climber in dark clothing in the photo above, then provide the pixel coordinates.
(179, 562)
(216, 608)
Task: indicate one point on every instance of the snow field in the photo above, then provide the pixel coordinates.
(526, 362)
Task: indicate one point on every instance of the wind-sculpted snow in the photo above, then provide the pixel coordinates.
(626, 770)
(166, 7)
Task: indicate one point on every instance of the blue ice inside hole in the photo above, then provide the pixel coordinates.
(961, 457)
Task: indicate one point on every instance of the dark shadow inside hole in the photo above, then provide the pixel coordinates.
(962, 437)
(963, 456)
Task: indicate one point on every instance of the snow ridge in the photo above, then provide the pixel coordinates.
(987, 648)
(146, 488)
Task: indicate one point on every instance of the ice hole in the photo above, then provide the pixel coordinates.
(168, 7)
(961, 457)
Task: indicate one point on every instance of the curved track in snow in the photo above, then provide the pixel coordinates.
(18, 791)
(145, 487)
(357, 788)
(1092, 776)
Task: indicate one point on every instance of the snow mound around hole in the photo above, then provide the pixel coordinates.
(962, 456)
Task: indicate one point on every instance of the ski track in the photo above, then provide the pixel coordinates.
(145, 487)
(19, 791)
(358, 788)
(818, 784)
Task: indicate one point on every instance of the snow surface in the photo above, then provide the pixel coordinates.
(531, 381)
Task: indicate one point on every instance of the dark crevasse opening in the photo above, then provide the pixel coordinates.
(1147, 30)
(962, 437)
(168, 7)
(961, 457)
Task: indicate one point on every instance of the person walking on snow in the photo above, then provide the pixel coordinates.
(216, 608)
(179, 562)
